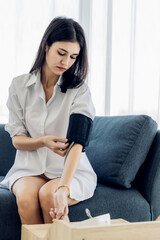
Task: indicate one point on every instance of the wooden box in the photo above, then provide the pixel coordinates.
(119, 229)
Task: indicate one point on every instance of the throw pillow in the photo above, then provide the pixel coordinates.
(118, 147)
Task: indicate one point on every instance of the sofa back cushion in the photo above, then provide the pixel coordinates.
(118, 147)
(7, 151)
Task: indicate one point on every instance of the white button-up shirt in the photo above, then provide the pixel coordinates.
(30, 115)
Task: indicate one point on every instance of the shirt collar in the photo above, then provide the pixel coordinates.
(35, 75)
(59, 80)
(33, 78)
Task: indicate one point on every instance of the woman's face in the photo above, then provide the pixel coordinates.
(60, 56)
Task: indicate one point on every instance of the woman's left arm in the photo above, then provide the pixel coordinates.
(82, 113)
(71, 164)
(61, 195)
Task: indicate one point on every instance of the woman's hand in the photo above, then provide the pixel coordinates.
(60, 210)
(51, 143)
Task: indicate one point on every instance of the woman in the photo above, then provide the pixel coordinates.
(50, 110)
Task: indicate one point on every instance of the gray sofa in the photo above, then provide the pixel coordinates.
(124, 152)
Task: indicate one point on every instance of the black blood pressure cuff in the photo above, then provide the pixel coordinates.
(79, 129)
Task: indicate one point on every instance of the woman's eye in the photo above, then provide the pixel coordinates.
(61, 54)
(73, 58)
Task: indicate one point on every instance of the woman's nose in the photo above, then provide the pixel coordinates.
(65, 61)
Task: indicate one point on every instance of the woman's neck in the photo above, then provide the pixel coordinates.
(48, 78)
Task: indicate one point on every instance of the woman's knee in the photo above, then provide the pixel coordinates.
(46, 194)
(45, 198)
(27, 202)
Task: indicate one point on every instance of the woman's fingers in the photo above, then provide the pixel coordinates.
(52, 213)
(55, 143)
(60, 149)
(65, 218)
(59, 146)
(62, 140)
(60, 204)
(60, 213)
(66, 210)
(61, 152)
(57, 213)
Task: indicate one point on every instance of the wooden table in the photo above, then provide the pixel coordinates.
(119, 229)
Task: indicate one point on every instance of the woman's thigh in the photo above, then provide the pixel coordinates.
(26, 190)
(29, 185)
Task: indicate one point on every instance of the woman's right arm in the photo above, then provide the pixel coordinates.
(25, 143)
(16, 126)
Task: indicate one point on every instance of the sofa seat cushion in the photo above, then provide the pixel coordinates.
(10, 226)
(7, 151)
(128, 204)
(1, 178)
(118, 147)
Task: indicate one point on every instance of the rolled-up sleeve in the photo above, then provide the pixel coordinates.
(82, 114)
(82, 103)
(16, 123)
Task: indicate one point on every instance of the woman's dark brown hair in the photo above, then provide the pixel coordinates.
(65, 29)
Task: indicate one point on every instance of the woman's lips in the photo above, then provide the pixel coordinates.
(61, 68)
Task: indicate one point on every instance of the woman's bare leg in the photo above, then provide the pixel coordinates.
(26, 190)
(46, 199)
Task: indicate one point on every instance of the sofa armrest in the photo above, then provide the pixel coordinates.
(148, 177)
(7, 151)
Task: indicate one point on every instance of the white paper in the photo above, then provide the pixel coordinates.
(101, 220)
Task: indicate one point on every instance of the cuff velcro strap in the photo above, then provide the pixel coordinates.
(79, 129)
